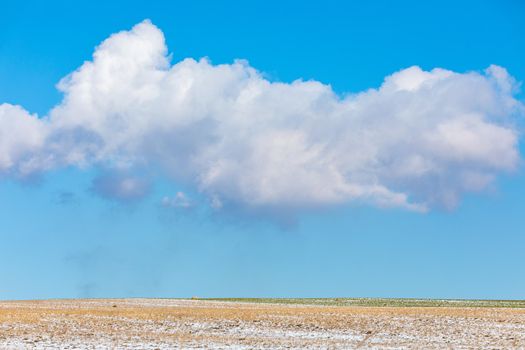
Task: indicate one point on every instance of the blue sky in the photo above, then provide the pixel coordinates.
(96, 228)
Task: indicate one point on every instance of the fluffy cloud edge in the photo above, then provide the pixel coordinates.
(420, 140)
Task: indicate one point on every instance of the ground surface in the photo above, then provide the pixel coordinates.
(310, 323)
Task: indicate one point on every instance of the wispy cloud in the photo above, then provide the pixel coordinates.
(180, 200)
(420, 140)
(65, 197)
(121, 186)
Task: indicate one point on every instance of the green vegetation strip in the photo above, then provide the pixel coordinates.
(381, 302)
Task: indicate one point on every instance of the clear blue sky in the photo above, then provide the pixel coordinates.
(59, 238)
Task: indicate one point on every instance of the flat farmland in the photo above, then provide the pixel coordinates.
(262, 324)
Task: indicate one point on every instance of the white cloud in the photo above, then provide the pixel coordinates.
(21, 135)
(420, 140)
(180, 200)
(120, 186)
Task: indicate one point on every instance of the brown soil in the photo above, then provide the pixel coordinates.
(167, 324)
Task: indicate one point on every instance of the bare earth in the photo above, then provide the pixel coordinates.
(201, 324)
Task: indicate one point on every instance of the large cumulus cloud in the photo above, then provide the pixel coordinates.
(422, 139)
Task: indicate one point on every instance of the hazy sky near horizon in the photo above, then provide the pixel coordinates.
(171, 149)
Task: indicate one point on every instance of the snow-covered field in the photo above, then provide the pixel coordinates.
(200, 324)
